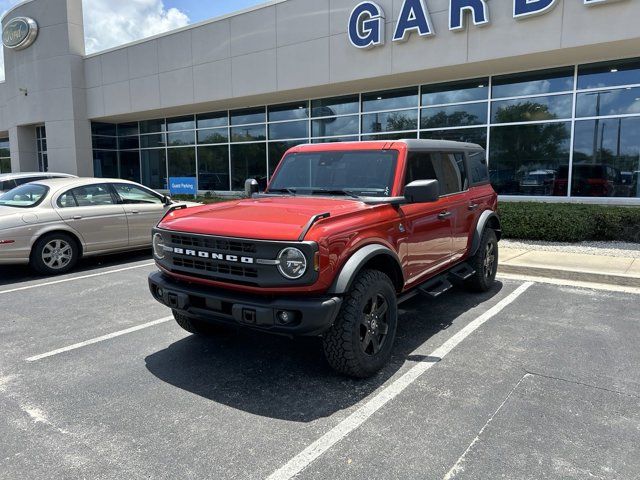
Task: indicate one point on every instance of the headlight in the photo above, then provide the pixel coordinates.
(158, 246)
(293, 263)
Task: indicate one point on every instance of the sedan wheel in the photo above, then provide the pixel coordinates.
(57, 254)
(54, 254)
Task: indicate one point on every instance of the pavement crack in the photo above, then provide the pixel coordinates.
(458, 467)
(588, 385)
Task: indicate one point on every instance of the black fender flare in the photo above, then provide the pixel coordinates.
(486, 217)
(356, 262)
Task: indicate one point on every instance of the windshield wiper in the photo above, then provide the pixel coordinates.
(290, 191)
(327, 191)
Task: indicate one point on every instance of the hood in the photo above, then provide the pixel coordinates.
(267, 218)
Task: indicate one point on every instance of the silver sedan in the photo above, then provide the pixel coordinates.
(50, 224)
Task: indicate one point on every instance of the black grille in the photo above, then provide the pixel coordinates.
(214, 267)
(218, 244)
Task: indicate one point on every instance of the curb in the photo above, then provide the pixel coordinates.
(590, 277)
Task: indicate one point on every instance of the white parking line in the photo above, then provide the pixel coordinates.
(301, 461)
(99, 339)
(65, 280)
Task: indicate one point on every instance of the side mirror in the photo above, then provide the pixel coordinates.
(250, 187)
(422, 191)
(166, 199)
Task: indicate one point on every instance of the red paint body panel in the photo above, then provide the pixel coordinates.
(425, 244)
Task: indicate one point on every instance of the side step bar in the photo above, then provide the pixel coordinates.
(436, 286)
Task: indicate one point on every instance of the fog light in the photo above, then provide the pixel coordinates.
(285, 317)
(160, 292)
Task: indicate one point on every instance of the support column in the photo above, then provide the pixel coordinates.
(24, 154)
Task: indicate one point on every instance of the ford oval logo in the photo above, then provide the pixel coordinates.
(19, 33)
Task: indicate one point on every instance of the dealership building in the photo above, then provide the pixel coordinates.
(551, 89)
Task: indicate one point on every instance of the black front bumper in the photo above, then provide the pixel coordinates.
(307, 316)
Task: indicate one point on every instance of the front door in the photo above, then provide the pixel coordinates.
(93, 212)
(144, 210)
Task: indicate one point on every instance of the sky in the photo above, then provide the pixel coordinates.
(109, 23)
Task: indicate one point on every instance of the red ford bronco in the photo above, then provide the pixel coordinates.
(343, 233)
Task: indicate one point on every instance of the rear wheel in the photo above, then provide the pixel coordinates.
(55, 254)
(360, 341)
(485, 263)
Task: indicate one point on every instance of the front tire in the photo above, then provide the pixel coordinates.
(361, 340)
(55, 254)
(485, 263)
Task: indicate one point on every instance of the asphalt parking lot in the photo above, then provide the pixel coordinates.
(531, 380)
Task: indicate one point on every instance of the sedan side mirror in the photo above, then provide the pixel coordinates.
(250, 187)
(166, 199)
(422, 191)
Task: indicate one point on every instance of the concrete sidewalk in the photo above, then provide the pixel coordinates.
(621, 270)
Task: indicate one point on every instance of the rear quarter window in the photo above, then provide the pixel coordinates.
(478, 171)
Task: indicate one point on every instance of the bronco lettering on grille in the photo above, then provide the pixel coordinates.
(213, 256)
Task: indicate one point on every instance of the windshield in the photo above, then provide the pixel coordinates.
(367, 173)
(25, 196)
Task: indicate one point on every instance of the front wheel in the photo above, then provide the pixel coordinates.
(485, 263)
(55, 254)
(360, 341)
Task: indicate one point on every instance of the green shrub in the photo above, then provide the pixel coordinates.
(569, 222)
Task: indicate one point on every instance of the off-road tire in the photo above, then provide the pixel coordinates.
(485, 275)
(192, 325)
(43, 247)
(342, 344)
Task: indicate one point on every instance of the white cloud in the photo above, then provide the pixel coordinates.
(109, 23)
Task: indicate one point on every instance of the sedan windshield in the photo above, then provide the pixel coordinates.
(25, 196)
(367, 173)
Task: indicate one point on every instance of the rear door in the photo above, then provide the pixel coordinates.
(144, 209)
(428, 225)
(93, 211)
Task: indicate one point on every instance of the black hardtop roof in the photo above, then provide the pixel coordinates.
(414, 144)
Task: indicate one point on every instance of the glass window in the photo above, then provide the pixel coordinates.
(447, 173)
(366, 172)
(131, 194)
(213, 168)
(533, 83)
(181, 138)
(290, 111)
(248, 133)
(478, 171)
(459, 159)
(5, 165)
(454, 115)
(248, 115)
(153, 141)
(419, 167)
(532, 109)
(530, 159)
(25, 196)
(67, 200)
(390, 121)
(465, 91)
(606, 158)
(108, 129)
(7, 185)
(334, 140)
(610, 102)
(105, 143)
(130, 166)
(93, 195)
(390, 136)
(213, 135)
(248, 161)
(154, 168)
(469, 135)
(329, 107)
(390, 99)
(181, 123)
(336, 126)
(125, 129)
(182, 162)
(277, 151)
(129, 143)
(153, 126)
(211, 120)
(105, 164)
(609, 74)
(285, 130)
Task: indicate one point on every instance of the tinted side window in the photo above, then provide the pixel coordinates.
(448, 174)
(420, 167)
(131, 194)
(93, 195)
(22, 181)
(478, 170)
(7, 185)
(67, 200)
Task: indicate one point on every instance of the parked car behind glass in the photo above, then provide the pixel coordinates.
(50, 224)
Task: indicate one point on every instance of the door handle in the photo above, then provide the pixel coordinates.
(135, 212)
(445, 215)
(77, 217)
(473, 206)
